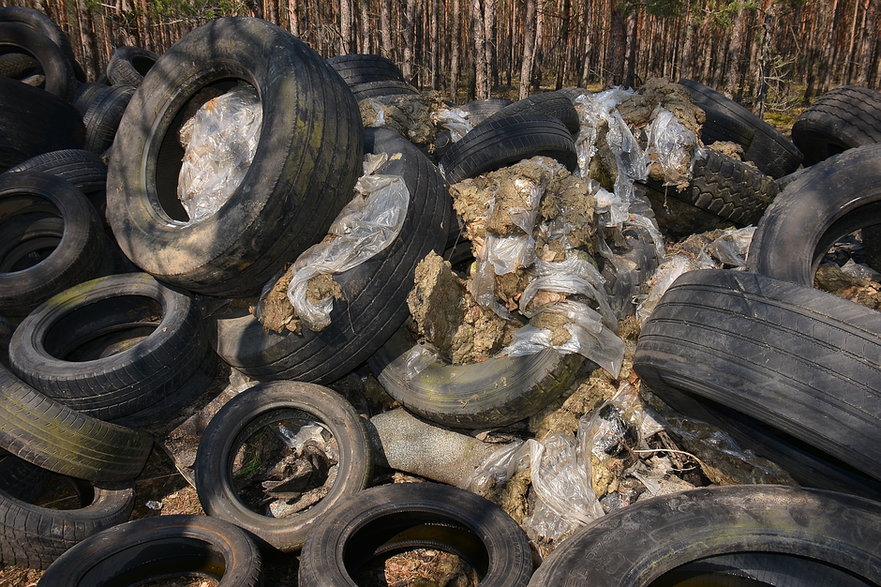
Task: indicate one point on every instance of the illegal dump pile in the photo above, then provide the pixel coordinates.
(583, 325)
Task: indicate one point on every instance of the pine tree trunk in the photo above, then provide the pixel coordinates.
(454, 51)
(528, 48)
(617, 46)
(732, 55)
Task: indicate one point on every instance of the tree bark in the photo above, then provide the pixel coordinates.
(617, 45)
(385, 28)
(454, 51)
(733, 54)
(528, 48)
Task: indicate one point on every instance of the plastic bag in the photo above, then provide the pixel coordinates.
(219, 141)
(573, 276)
(732, 247)
(454, 120)
(671, 144)
(366, 226)
(588, 336)
(592, 110)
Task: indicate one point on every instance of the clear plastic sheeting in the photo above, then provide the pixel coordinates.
(670, 145)
(454, 120)
(219, 142)
(575, 275)
(365, 227)
(415, 360)
(588, 336)
(378, 111)
(593, 110)
(726, 251)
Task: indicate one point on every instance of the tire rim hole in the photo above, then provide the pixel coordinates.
(430, 540)
(284, 463)
(104, 328)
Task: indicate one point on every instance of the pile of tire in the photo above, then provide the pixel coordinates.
(120, 309)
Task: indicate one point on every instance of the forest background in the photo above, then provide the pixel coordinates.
(768, 54)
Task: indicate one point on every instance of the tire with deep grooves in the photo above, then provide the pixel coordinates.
(846, 117)
(374, 303)
(376, 89)
(83, 169)
(493, 393)
(307, 160)
(81, 251)
(34, 536)
(640, 544)
(121, 384)
(433, 515)
(51, 435)
(217, 448)
(724, 187)
(145, 550)
(508, 140)
(18, 65)
(128, 65)
(828, 201)
(773, 153)
(799, 360)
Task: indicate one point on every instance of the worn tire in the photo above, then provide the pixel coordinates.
(78, 251)
(846, 117)
(404, 516)
(144, 551)
(382, 88)
(493, 393)
(479, 110)
(70, 348)
(551, 104)
(83, 169)
(239, 418)
(128, 65)
(18, 65)
(103, 116)
(34, 536)
(508, 140)
(45, 25)
(307, 160)
(801, 361)
(55, 437)
(58, 71)
(364, 68)
(33, 121)
(830, 200)
(834, 534)
(772, 153)
(374, 300)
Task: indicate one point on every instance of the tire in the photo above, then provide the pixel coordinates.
(45, 25)
(647, 542)
(104, 115)
(723, 187)
(34, 536)
(307, 160)
(382, 88)
(637, 254)
(33, 122)
(85, 170)
(479, 110)
(143, 551)
(846, 117)
(401, 517)
(506, 141)
(772, 153)
(361, 69)
(801, 361)
(52, 436)
(551, 104)
(264, 405)
(18, 65)
(830, 200)
(78, 250)
(129, 65)
(110, 347)
(60, 79)
(85, 94)
(374, 303)
(496, 392)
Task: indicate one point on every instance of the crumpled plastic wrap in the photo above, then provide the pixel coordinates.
(592, 110)
(415, 360)
(670, 145)
(219, 141)
(728, 251)
(379, 112)
(365, 227)
(454, 120)
(574, 275)
(588, 336)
